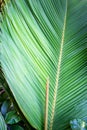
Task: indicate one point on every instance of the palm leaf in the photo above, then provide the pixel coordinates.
(42, 39)
(2, 123)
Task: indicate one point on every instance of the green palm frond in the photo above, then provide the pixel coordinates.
(2, 123)
(41, 39)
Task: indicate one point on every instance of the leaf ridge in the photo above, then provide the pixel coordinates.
(58, 70)
(47, 99)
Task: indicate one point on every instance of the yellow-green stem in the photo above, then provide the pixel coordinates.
(46, 106)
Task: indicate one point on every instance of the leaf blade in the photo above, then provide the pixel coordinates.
(2, 123)
(34, 55)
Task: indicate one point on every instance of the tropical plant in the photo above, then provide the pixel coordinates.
(78, 124)
(9, 117)
(43, 57)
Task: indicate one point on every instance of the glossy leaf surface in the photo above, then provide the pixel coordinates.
(41, 39)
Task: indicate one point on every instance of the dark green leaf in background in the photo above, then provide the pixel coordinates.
(12, 118)
(4, 107)
(16, 127)
(78, 124)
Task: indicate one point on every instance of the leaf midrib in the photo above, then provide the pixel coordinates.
(58, 70)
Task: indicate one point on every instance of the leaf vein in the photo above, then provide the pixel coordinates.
(58, 70)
